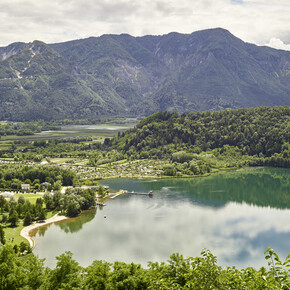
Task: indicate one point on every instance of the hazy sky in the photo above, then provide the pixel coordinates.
(256, 21)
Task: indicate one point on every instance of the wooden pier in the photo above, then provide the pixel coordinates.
(150, 193)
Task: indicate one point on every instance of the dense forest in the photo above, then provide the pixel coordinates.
(261, 134)
(262, 130)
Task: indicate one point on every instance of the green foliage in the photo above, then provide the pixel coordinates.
(27, 219)
(2, 236)
(21, 200)
(182, 156)
(177, 273)
(73, 209)
(72, 202)
(25, 128)
(262, 134)
(13, 218)
(3, 203)
(66, 275)
(279, 269)
(101, 191)
(14, 176)
(17, 273)
(98, 274)
(42, 215)
(23, 247)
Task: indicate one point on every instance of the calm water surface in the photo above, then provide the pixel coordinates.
(236, 215)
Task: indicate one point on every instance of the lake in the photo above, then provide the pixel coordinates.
(236, 215)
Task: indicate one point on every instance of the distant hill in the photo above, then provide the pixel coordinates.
(130, 76)
(263, 132)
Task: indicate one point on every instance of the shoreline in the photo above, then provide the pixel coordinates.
(25, 231)
(216, 171)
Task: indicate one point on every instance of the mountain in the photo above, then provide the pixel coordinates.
(130, 76)
(38, 83)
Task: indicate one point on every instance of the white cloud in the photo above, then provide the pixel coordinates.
(278, 44)
(53, 20)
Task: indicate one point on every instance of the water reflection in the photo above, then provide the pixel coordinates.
(262, 187)
(76, 224)
(233, 215)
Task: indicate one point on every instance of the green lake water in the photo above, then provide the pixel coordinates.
(236, 215)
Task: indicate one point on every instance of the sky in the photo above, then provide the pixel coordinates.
(263, 22)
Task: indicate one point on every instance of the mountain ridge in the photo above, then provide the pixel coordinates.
(130, 76)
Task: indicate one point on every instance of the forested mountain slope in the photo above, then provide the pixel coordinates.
(38, 83)
(263, 132)
(130, 76)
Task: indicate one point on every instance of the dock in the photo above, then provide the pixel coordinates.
(150, 193)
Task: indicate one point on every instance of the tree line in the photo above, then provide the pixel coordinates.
(201, 272)
(25, 128)
(12, 176)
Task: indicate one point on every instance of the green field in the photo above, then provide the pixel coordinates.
(98, 132)
(28, 196)
(12, 235)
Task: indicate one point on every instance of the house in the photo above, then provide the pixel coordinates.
(25, 187)
(45, 184)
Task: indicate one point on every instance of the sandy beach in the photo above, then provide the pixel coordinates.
(25, 231)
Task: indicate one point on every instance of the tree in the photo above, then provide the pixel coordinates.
(19, 209)
(13, 218)
(48, 199)
(4, 219)
(27, 181)
(42, 215)
(36, 181)
(3, 202)
(16, 249)
(2, 236)
(57, 185)
(73, 209)
(23, 247)
(27, 219)
(12, 203)
(21, 200)
(57, 195)
(39, 204)
(66, 274)
(89, 199)
(101, 191)
(98, 275)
